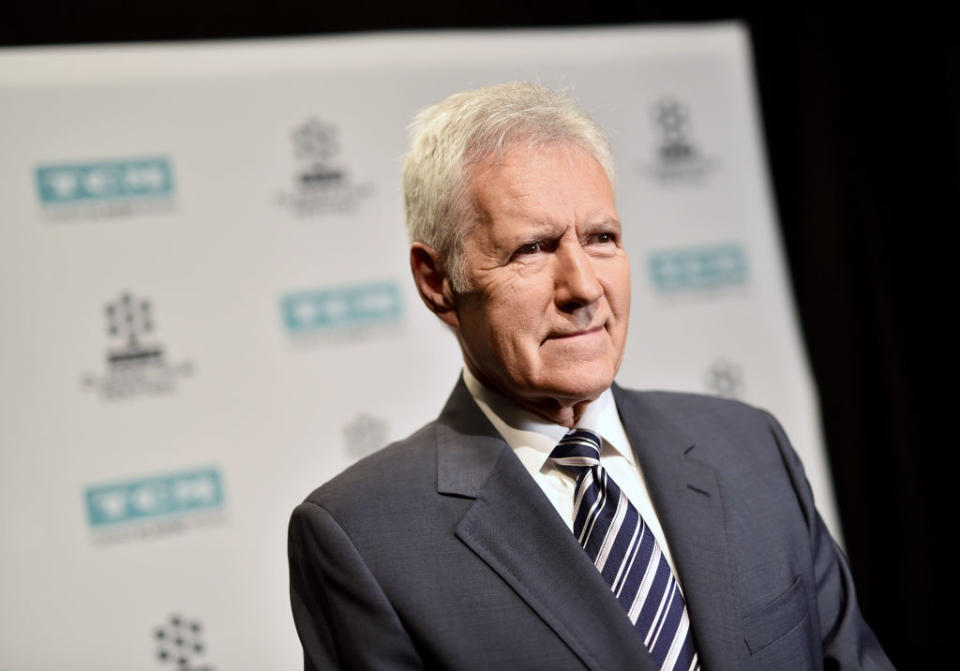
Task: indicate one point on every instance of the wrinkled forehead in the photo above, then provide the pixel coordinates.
(545, 187)
(517, 170)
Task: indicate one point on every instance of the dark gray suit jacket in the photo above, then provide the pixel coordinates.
(440, 551)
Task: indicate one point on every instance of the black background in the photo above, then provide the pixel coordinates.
(860, 110)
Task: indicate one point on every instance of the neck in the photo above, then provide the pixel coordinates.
(555, 411)
(565, 412)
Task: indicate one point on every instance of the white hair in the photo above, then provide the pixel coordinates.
(449, 139)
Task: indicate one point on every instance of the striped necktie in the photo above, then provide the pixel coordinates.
(627, 555)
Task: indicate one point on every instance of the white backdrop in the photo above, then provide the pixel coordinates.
(206, 308)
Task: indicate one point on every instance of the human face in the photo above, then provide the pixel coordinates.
(544, 319)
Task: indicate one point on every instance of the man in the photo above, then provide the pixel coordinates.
(695, 539)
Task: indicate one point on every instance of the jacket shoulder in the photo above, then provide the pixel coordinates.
(725, 430)
(687, 408)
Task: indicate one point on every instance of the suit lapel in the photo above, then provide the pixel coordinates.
(686, 494)
(515, 530)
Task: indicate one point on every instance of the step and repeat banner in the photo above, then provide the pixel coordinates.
(206, 308)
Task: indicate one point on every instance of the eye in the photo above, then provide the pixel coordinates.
(529, 248)
(604, 238)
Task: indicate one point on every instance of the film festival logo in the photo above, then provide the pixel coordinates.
(677, 158)
(137, 366)
(107, 188)
(155, 505)
(179, 644)
(321, 183)
(696, 269)
(342, 313)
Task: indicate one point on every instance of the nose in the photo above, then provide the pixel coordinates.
(575, 281)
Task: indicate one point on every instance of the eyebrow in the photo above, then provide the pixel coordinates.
(546, 225)
(604, 222)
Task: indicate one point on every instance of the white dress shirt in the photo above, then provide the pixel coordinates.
(533, 438)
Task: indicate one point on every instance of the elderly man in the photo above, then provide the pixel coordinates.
(549, 519)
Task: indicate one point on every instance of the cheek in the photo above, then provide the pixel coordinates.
(617, 288)
(517, 305)
(516, 312)
(515, 329)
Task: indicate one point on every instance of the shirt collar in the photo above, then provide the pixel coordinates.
(525, 430)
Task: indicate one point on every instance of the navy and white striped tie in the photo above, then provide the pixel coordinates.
(627, 555)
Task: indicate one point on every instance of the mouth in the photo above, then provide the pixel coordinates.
(574, 334)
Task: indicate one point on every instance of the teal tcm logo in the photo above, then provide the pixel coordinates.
(341, 308)
(698, 267)
(73, 183)
(147, 498)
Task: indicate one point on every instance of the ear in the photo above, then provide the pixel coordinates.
(433, 283)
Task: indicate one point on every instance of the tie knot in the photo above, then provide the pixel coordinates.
(579, 449)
